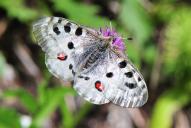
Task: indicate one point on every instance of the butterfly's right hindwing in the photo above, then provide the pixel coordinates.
(116, 79)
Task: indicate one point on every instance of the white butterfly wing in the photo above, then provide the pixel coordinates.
(65, 43)
(129, 88)
(84, 84)
(118, 80)
(59, 38)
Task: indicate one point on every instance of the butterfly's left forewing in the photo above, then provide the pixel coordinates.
(59, 38)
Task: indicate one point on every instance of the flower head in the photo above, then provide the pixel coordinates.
(117, 40)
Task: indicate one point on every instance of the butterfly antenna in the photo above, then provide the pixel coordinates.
(110, 25)
(127, 38)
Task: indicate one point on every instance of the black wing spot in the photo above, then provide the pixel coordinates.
(78, 31)
(56, 30)
(80, 76)
(129, 74)
(70, 45)
(86, 78)
(67, 27)
(139, 79)
(65, 57)
(59, 20)
(131, 85)
(72, 83)
(70, 66)
(133, 71)
(73, 72)
(142, 86)
(109, 74)
(122, 64)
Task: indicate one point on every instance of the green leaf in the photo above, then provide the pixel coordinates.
(166, 106)
(133, 52)
(54, 96)
(164, 11)
(136, 19)
(82, 112)
(68, 119)
(2, 64)
(17, 9)
(25, 98)
(150, 54)
(177, 63)
(41, 90)
(9, 118)
(178, 44)
(82, 13)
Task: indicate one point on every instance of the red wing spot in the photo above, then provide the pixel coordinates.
(99, 86)
(61, 56)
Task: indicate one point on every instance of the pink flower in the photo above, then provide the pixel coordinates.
(117, 41)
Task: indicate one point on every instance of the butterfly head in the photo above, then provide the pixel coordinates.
(116, 39)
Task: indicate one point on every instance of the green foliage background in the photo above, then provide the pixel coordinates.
(161, 49)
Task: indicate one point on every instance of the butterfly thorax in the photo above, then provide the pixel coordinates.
(94, 56)
(111, 42)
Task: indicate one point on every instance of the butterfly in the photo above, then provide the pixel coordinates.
(94, 60)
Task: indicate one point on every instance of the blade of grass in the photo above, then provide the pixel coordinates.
(24, 97)
(68, 120)
(54, 97)
(166, 106)
(82, 112)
